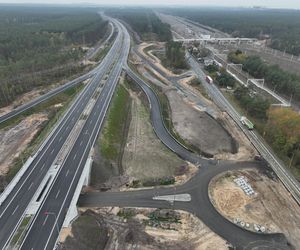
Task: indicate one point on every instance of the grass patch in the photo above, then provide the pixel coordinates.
(17, 236)
(167, 119)
(163, 218)
(161, 55)
(54, 114)
(101, 53)
(165, 111)
(111, 140)
(126, 213)
(259, 123)
(198, 85)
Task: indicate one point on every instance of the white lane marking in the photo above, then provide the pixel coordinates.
(42, 167)
(73, 179)
(74, 157)
(57, 130)
(57, 194)
(81, 143)
(52, 151)
(67, 173)
(30, 185)
(15, 210)
(45, 219)
(60, 139)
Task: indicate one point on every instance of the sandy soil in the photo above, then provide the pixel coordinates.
(129, 231)
(144, 154)
(15, 139)
(271, 207)
(21, 100)
(190, 230)
(195, 126)
(186, 114)
(156, 61)
(246, 151)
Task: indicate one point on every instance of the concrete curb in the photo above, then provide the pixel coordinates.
(16, 179)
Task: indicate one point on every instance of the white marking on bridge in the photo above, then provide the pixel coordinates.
(57, 194)
(45, 220)
(15, 210)
(30, 185)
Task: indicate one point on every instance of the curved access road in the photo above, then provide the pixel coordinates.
(159, 127)
(199, 205)
(197, 187)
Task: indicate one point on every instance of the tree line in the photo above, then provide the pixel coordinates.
(282, 131)
(284, 82)
(145, 22)
(175, 55)
(282, 27)
(36, 39)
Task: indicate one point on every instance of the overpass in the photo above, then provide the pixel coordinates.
(217, 40)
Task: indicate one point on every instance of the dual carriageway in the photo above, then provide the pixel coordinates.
(42, 233)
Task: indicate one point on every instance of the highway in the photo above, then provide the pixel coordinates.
(237, 236)
(59, 89)
(285, 176)
(44, 229)
(43, 233)
(277, 165)
(45, 97)
(199, 205)
(14, 206)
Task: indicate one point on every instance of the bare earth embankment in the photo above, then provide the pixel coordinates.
(144, 229)
(271, 207)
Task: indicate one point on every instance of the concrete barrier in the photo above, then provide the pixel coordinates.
(15, 180)
(83, 181)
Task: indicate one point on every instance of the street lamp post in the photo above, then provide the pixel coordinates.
(56, 222)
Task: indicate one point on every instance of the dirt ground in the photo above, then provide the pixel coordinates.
(15, 139)
(272, 206)
(246, 151)
(198, 127)
(233, 146)
(133, 228)
(29, 96)
(200, 124)
(21, 100)
(154, 59)
(144, 155)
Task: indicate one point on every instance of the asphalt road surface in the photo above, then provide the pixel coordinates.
(199, 205)
(159, 127)
(14, 206)
(43, 233)
(59, 89)
(282, 172)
